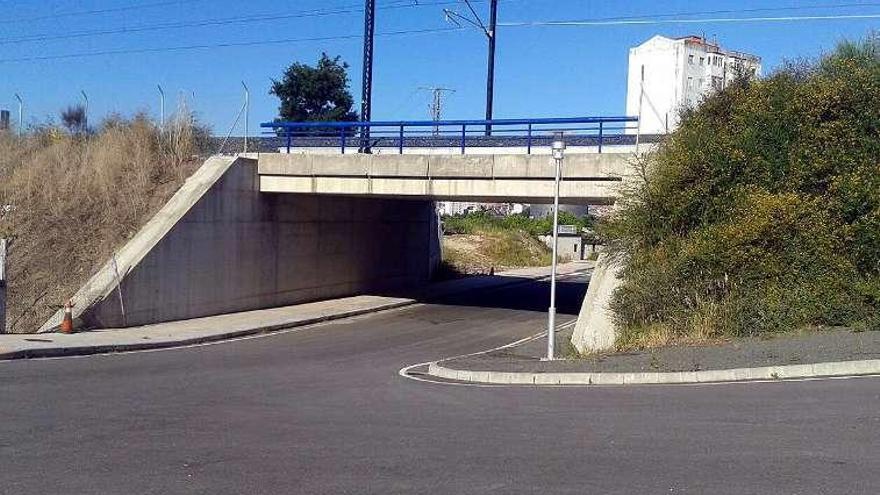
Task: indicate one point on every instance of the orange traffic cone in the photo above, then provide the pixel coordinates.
(67, 322)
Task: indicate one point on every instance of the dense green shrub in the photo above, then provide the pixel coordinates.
(761, 213)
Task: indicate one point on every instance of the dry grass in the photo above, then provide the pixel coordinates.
(70, 201)
(478, 253)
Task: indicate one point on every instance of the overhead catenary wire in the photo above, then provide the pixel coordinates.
(109, 10)
(714, 20)
(127, 51)
(520, 24)
(331, 11)
(325, 11)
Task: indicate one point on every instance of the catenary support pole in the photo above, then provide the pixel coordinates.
(490, 72)
(367, 81)
(247, 111)
(641, 101)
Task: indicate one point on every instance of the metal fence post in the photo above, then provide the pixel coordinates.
(342, 139)
(600, 137)
(463, 134)
(529, 140)
(400, 144)
(289, 139)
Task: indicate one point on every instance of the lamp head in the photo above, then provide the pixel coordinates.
(558, 146)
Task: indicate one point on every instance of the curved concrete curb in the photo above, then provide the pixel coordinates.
(834, 369)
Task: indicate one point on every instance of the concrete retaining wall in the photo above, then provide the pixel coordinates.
(225, 247)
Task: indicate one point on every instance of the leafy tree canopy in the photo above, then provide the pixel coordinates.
(315, 94)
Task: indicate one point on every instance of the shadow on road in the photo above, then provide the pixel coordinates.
(517, 294)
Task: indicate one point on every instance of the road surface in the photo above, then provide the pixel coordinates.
(323, 410)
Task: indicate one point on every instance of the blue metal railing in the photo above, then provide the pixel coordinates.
(456, 134)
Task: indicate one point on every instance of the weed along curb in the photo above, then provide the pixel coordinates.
(818, 370)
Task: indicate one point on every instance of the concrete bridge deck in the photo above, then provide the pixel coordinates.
(587, 178)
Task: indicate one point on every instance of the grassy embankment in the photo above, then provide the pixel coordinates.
(477, 242)
(69, 199)
(761, 214)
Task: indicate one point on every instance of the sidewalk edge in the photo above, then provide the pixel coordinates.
(143, 346)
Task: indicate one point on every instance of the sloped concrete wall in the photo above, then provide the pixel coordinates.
(595, 330)
(236, 249)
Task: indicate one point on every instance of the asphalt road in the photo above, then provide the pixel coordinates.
(323, 410)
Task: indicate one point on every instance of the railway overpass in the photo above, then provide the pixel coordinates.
(263, 230)
(491, 178)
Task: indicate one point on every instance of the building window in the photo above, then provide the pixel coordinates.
(691, 59)
(702, 60)
(690, 83)
(702, 82)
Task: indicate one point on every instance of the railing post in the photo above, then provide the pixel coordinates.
(289, 139)
(342, 139)
(600, 137)
(400, 144)
(529, 140)
(463, 138)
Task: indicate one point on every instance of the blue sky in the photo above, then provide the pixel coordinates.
(541, 71)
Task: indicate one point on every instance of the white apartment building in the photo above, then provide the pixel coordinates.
(679, 73)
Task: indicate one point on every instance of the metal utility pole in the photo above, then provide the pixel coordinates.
(247, 111)
(161, 109)
(436, 106)
(558, 155)
(20, 115)
(367, 81)
(641, 101)
(491, 34)
(490, 73)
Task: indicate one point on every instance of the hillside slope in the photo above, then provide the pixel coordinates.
(70, 200)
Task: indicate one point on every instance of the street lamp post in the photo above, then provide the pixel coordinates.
(558, 155)
(161, 109)
(20, 115)
(86, 114)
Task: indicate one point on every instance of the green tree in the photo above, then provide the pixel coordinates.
(315, 94)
